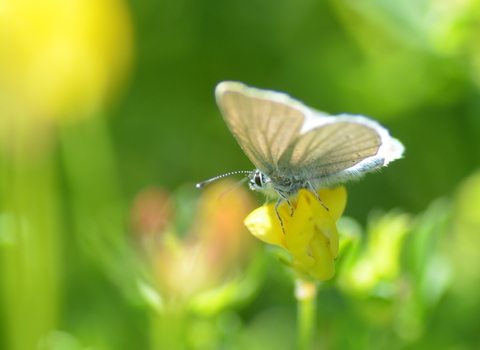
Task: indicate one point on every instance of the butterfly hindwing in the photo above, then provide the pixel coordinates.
(332, 148)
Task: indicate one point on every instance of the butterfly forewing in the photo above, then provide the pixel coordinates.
(263, 127)
(332, 148)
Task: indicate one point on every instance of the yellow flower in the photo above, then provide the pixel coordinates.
(62, 60)
(311, 235)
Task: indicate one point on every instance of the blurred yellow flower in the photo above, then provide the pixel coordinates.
(311, 235)
(61, 60)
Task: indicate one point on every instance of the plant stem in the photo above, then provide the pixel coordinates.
(168, 330)
(29, 241)
(305, 293)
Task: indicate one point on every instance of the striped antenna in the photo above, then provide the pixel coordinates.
(203, 183)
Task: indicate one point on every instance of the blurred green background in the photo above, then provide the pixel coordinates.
(101, 100)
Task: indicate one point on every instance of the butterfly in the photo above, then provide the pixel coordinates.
(296, 147)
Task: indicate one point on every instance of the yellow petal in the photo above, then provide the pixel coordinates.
(311, 211)
(325, 224)
(301, 229)
(333, 241)
(323, 268)
(263, 223)
(312, 236)
(335, 200)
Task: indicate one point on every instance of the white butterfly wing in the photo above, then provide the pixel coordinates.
(341, 146)
(331, 148)
(265, 123)
(282, 136)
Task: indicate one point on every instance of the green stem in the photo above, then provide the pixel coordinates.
(305, 293)
(29, 241)
(168, 330)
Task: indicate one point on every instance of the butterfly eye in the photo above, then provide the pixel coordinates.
(258, 180)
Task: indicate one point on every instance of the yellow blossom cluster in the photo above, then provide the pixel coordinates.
(310, 235)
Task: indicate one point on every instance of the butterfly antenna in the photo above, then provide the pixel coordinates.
(201, 184)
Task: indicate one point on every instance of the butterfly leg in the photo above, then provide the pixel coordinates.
(283, 197)
(278, 215)
(279, 201)
(312, 189)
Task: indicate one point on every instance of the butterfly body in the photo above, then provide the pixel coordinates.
(276, 183)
